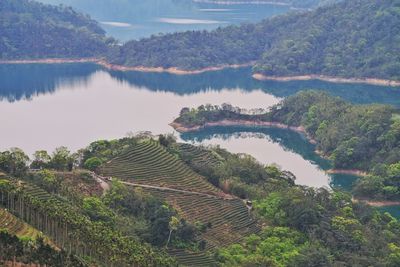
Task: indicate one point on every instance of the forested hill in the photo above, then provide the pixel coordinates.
(357, 38)
(30, 29)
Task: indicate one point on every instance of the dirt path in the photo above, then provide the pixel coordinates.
(102, 181)
(177, 190)
(378, 204)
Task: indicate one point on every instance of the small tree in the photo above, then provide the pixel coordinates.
(62, 159)
(92, 163)
(14, 162)
(173, 226)
(41, 160)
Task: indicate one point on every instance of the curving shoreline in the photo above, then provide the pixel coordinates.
(184, 129)
(172, 70)
(372, 81)
(254, 2)
(107, 65)
(177, 71)
(351, 172)
(377, 203)
(50, 61)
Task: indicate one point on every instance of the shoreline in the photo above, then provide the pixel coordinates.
(109, 66)
(350, 172)
(183, 129)
(177, 71)
(252, 2)
(371, 81)
(172, 70)
(377, 203)
(50, 61)
(300, 129)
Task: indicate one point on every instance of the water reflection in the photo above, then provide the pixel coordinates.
(288, 149)
(45, 106)
(27, 81)
(241, 78)
(134, 19)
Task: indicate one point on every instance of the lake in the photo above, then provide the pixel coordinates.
(44, 106)
(134, 19)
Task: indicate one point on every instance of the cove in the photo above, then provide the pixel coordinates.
(44, 106)
(288, 149)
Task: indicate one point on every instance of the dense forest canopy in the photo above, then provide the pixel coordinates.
(30, 30)
(349, 39)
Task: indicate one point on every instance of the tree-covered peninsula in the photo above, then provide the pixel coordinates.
(363, 137)
(349, 39)
(32, 30)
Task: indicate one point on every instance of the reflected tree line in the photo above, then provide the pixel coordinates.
(27, 81)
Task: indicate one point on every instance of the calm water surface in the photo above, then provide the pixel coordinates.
(134, 19)
(45, 106)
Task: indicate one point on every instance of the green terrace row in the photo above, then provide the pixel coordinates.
(150, 163)
(15, 226)
(229, 218)
(198, 154)
(192, 259)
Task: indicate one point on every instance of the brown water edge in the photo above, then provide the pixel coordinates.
(372, 81)
(354, 172)
(177, 71)
(105, 64)
(377, 203)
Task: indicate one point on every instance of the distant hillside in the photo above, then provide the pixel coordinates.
(33, 30)
(358, 38)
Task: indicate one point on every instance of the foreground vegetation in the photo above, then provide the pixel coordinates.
(364, 137)
(204, 219)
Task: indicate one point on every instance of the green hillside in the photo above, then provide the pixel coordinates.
(149, 163)
(31, 30)
(358, 38)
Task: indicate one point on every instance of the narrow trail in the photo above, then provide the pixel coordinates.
(103, 181)
(226, 197)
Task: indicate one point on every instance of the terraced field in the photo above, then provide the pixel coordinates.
(165, 176)
(15, 226)
(230, 219)
(197, 259)
(150, 164)
(199, 155)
